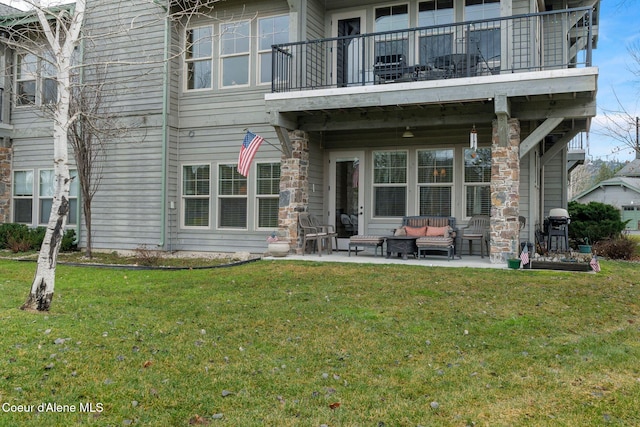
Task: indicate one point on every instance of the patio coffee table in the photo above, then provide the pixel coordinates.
(402, 245)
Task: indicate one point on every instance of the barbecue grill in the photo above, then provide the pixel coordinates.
(557, 229)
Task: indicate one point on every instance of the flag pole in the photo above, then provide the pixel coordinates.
(274, 146)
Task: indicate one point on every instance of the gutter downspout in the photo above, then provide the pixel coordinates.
(165, 131)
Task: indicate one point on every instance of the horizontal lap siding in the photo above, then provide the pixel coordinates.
(211, 127)
(127, 208)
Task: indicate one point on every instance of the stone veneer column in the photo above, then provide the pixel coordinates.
(5, 183)
(294, 188)
(505, 191)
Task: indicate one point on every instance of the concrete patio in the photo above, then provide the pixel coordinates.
(367, 257)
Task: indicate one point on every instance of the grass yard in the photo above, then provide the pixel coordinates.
(309, 344)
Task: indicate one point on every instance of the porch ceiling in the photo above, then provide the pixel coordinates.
(567, 94)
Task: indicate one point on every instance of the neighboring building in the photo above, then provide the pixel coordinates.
(621, 191)
(369, 106)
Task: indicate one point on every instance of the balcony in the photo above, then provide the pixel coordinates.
(525, 43)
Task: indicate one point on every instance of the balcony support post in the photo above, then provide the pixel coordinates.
(294, 188)
(505, 185)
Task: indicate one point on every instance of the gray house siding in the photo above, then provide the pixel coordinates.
(555, 183)
(127, 208)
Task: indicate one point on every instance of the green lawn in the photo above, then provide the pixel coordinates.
(304, 344)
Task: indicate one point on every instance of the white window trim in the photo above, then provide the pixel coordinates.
(374, 185)
(184, 197)
(436, 184)
(262, 196)
(19, 80)
(260, 52)
(466, 184)
(44, 221)
(222, 57)
(186, 61)
(14, 197)
(218, 196)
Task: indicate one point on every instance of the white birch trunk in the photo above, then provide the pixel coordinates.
(62, 43)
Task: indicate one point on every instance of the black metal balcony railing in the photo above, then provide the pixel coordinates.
(534, 42)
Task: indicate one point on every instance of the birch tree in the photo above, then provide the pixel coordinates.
(62, 31)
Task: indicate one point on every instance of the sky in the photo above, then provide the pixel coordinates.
(619, 28)
(617, 84)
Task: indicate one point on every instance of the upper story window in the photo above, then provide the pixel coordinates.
(235, 41)
(392, 48)
(271, 30)
(199, 57)
(49, 79)
(392, 18)
(27, 76)
(481, 9)
(435, 12)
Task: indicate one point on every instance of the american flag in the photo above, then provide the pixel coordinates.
(595, 265)
(524, 256)
(248, 150)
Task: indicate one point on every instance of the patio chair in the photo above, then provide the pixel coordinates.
(476, 230)
(313, 234)
(346, 223)
(328, 229)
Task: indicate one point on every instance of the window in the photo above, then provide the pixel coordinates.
(390, 183)
(49, 79)
(394, 47)
(273, 30)
(477, 181)
(234, 53)
(199, 57)
(195, 195)
(435, 12)
(392, 18)
(232, 198)
(435, 182)
(268, 194)
(23, 196)
(27, 73)
(46, 189)
(481, 9)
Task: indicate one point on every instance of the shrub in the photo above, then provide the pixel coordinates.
(597, 221)
(21, 238)
(11, 233)
(621, 247)
(147, 257)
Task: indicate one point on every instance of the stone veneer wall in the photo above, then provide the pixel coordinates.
(505, 193)
(294, 188)
(5, 184)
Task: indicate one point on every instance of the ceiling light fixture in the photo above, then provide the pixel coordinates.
(407, 133)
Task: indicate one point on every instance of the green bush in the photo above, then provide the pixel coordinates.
(11, 233)
(21, 238)
(596, 221)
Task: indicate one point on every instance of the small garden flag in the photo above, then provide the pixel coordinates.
(524, 256)
(595, 265)
(250, 146)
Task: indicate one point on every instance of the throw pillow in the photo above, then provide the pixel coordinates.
(416, 231)
(400, 232)
(438, 231)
